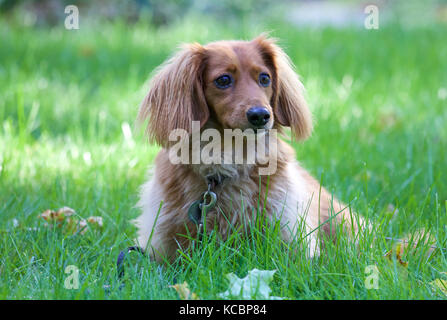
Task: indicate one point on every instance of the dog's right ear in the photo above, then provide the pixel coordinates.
(289, 106)
(176, 96)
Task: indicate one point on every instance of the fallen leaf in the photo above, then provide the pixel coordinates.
(440, 284)
(95, 221)
(254, 286)
(397, 252)
(184, 292)
(57, 216)
(86, 51)
(66, 219)
(66, 211)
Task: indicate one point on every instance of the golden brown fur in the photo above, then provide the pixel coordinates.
(181, 91)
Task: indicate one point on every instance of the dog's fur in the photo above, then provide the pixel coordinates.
(183, 90)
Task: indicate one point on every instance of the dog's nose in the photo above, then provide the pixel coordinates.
(258, 116)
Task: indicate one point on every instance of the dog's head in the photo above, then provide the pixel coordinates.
(236, 84)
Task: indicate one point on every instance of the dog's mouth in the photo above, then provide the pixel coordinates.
(255, 130)
(249, 128)
(260, 129)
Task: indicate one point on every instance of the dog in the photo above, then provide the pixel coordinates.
(230, 85)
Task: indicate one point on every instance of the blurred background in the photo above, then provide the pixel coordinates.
(69, 97)
(339, 13)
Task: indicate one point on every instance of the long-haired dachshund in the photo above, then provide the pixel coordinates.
(230, 85)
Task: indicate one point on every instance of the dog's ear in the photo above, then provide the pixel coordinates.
(289, 106)
(176, 96)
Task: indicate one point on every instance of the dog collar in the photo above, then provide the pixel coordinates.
(198, 209)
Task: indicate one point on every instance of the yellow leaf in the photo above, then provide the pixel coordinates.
(397, 252)
(58, 216)
(440, 284)
(95, 221)
(69, 223)
(66, 211)
(184, 292)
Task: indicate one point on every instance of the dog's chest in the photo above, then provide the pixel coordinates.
(242, 198)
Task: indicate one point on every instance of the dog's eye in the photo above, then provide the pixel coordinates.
(223, 82)
(264, 79)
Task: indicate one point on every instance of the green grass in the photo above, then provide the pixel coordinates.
(379, 140)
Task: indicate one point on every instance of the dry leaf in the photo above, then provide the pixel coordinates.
(420, 238)
(184, 292)
(86, 51)
(397, 252)
(57, 216)
(440, 284)
(95, 221)
(66, 211)
(65, 217)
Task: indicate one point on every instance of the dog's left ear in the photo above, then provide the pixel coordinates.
(176, 97)
(289, 106)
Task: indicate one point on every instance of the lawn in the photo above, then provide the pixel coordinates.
(68, 101)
